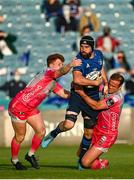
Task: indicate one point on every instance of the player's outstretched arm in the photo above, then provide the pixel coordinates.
(79, 79)
(63, 93)
(66, 68)
(97, 105)
(60, 91)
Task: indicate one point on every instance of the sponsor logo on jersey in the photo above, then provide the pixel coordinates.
(114, 118)
(102, 140)
(26, 97)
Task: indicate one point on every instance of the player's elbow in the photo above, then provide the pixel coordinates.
(77, 81)
(96, 106)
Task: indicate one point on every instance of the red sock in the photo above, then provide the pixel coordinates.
(35, 143)
(96, 164)
(15, 147)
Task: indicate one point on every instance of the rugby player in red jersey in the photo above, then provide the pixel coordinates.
(105, 131)
(23, 107)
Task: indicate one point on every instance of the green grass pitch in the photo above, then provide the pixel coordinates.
(59, 162)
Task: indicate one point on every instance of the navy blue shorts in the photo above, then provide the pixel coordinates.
(77, 104)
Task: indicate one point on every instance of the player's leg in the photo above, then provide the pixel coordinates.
(19, 127)
(92, 154)
(37, 123)
(63, 126)
(91, 159)
(85, 142)
(101, 142)
(70, 118)
(87, 136)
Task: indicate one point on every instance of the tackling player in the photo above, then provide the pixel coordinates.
(23, 107)
(106, 130)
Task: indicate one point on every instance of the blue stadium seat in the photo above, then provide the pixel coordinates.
(27, 23)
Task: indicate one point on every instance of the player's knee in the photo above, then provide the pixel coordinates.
(85, 162)
(67, 125)
(70, 121)
(41, 133)
(89, 123)
(19, 138)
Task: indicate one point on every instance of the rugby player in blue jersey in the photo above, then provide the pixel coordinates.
(90, 75)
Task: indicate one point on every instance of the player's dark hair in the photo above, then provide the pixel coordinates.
(51, 58)
(117, 77)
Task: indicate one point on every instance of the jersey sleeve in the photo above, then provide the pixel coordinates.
(78, 68)
(57, 87)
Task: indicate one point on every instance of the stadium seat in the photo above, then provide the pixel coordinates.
(24, 19)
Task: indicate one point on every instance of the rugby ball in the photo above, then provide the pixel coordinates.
(93, 76)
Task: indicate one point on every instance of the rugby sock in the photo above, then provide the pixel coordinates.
(14, 161)
(15, 147)
(35, 145)
(85, 144)
(96, 164)
(56, 131)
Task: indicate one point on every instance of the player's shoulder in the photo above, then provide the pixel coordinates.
(98, 52)
(78, 55)
(48, 71)
(117, 97)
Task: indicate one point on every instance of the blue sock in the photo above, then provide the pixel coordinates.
(85, 144)
(56, 131)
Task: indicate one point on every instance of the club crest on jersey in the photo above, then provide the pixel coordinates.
(87, 66)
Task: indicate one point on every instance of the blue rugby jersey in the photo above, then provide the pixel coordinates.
(89, 66)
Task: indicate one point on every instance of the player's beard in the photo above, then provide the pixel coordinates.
(85, 55)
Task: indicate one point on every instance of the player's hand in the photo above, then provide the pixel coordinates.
(98, 81)
(78, 89)
(76, 62)
(105, 90)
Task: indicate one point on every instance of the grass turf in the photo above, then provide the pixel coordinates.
(59, 162)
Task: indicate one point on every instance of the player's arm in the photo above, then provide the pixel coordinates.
(105, 80)
(60, 91)
(63, 93)
(79, 79)
(66, 68)
(97, 105)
